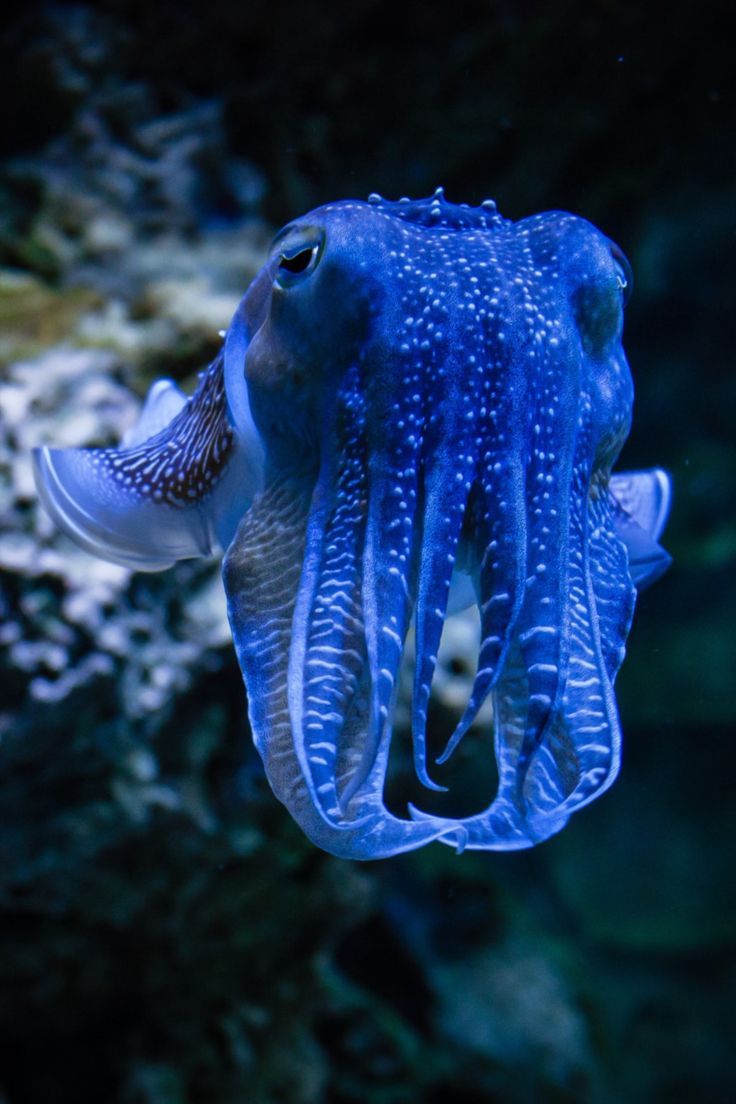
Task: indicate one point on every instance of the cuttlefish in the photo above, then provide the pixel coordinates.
(416, 407)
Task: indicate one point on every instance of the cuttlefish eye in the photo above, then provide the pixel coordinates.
(298, 260)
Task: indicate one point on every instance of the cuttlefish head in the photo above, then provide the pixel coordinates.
(305, 318)
(413, 400)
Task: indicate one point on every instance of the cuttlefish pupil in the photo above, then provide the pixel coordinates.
(417, 406)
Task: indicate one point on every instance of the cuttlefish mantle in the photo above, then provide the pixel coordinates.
(417, 405)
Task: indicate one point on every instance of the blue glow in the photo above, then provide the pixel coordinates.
(413, 398)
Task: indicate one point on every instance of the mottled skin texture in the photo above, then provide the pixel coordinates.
(433, 390)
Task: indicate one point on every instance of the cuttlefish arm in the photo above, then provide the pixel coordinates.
(175, 489)
(641, 502)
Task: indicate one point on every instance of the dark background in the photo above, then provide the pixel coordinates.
(160, 958)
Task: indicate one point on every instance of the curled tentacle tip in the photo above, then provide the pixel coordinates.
(429, 783)
(455, 834)
(420, 759)
(451, 745)
(418, 814)
(447, 753)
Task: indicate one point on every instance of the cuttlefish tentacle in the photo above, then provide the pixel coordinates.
(447, 482)
(328, 653)
(558, 741)
(263, 578)
(543, 620)
(322, 657)
(578, 754)
(388, 584)
(293, 576)
(496, 520)
(581, 758)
